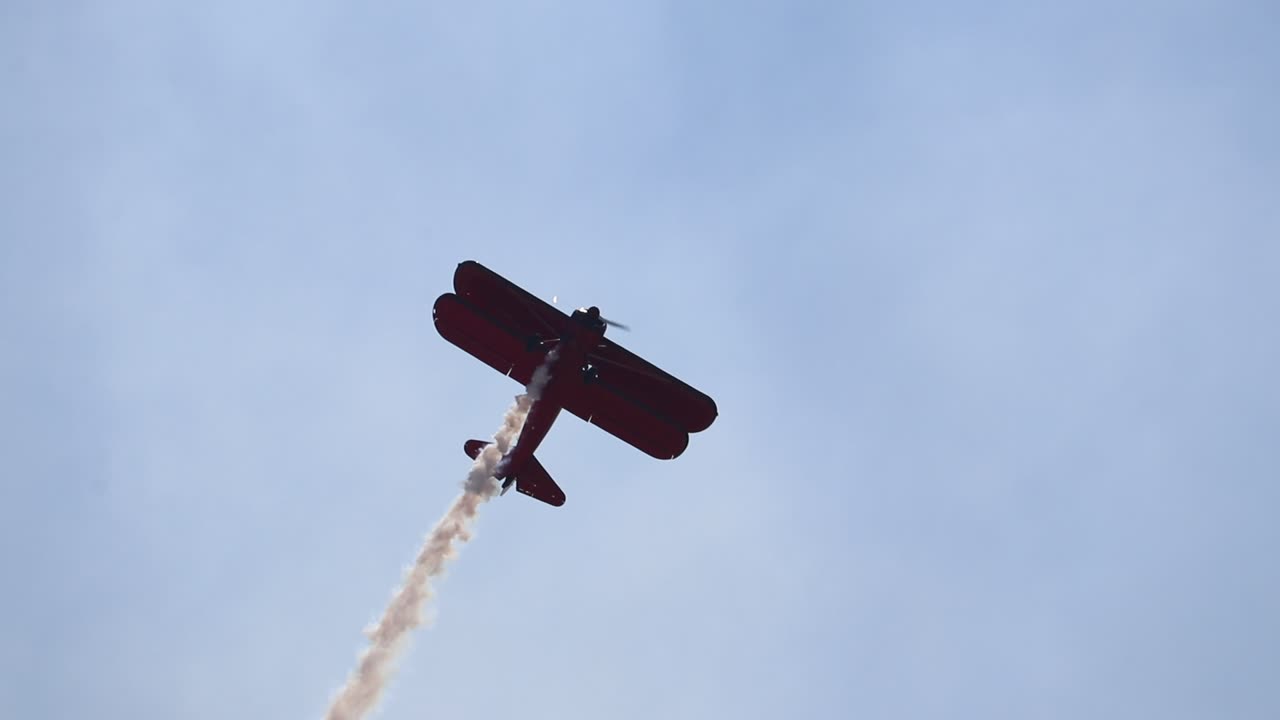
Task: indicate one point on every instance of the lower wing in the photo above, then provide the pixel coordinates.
(626, 419)
(494, 344)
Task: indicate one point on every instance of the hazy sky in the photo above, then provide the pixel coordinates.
(987, 296)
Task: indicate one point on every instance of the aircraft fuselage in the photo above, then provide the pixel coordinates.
(568, 365)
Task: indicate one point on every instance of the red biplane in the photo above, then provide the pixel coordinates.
(590, 376)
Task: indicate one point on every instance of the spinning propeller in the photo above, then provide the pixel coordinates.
(595, 311)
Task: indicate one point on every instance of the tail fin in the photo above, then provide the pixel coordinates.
(532, 479)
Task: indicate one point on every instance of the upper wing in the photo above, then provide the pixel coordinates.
(507, 303)
(494, 319)
(633, 377)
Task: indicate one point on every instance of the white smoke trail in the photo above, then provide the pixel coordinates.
(404, 613)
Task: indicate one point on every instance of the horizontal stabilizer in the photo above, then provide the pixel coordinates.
(532, 479)
(473, 447)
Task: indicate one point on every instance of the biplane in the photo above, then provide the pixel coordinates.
(515, 333)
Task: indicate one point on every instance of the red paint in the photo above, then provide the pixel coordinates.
(591, 376)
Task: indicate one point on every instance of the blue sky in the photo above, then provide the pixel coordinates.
(985, 293)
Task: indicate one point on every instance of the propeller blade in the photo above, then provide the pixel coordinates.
(618, 325)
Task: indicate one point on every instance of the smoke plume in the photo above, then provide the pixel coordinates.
(404, 613)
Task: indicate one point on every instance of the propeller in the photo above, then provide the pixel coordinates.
(594, 312)
(618, 325)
